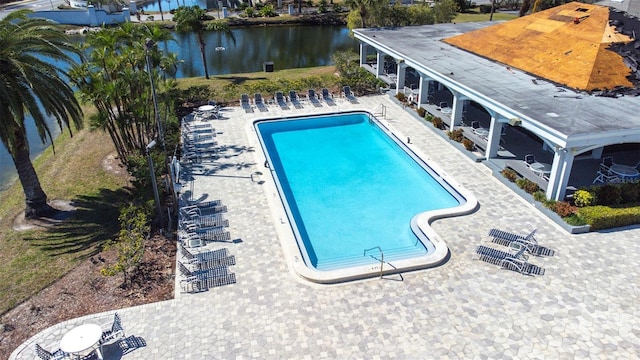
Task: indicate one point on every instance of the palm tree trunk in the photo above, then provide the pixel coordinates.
(204, 57)
(160, 8)
(36, 199)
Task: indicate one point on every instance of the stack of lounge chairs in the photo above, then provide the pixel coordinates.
(203, 280)
(198, 141)
(201, 268)
(514, 251)
(201, 223)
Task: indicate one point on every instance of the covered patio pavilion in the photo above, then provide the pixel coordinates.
(571, 123)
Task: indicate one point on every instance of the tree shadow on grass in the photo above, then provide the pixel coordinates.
(94, 221)
(239, 80)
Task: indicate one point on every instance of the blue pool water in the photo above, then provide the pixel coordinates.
(349, 187)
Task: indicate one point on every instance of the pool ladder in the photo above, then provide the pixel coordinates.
(380, 111)
(381, 255)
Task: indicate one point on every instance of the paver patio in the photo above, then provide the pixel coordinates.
(585, 306)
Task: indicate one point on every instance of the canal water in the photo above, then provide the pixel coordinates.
(287, 47)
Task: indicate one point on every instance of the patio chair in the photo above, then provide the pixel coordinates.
(258, 101)
(346, 92)
(512, 261)
(113, 333)
(529, 159)
(508, 239)
(245, 103)
(607, 161)
(312, 97)
(280, 100)
(44, 354)
(293, 98)
(326, 96)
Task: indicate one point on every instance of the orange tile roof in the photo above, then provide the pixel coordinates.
(567, 44)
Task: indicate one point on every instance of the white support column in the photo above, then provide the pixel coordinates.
(493, 142)
(560, 172)
(456, 109)
(380, 64)
(423, 90)
(402, 73)
(363, 53)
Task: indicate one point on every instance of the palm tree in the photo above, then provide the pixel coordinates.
(363, 7)
(192, 19)
(29, 85)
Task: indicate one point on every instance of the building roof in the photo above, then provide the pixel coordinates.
(568, 44)
(564, 116)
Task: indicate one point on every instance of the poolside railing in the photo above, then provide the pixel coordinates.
(381, 256)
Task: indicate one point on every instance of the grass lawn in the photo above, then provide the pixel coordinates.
(475, 16)
(30, 260)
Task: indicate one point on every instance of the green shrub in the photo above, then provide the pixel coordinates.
(608, 195)
(429, 117)
(604, 217)
(468, 144)
(250, 12)
(582, 198)
(527, 185)
(268, 11)
(540, 196)
(322, 6)
(455, 135)
(438, 123)
(509, 174)
(421, 112)
(630, 192)
(338, 8)
(574, 220)
(401, 97)
(484, 8)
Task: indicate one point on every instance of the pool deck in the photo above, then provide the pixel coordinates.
(584, 306)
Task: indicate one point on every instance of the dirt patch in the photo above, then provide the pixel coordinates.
(85, 291)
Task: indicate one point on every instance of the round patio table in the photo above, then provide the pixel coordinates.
(80, 339)
(206, 108)
(542, 169)
(625, 172)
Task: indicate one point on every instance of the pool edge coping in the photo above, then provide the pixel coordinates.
(420, 223)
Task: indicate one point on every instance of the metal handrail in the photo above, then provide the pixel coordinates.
(381, 256)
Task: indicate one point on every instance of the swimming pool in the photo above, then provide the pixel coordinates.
(355, 196)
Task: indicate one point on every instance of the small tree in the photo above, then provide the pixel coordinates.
(134, 230)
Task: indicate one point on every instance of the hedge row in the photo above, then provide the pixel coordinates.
(604, 217)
